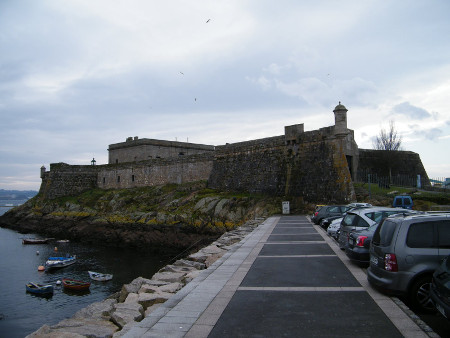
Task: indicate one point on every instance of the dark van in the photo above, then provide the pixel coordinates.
(403, 201)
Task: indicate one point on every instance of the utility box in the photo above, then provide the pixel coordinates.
(286, 208)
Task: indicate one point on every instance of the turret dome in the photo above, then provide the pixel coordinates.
(340, 107)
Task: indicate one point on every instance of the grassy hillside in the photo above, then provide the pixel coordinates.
(423, 200)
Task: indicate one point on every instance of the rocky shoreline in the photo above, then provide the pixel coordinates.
(114, 316)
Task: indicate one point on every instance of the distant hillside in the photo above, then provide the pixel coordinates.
(17, 194)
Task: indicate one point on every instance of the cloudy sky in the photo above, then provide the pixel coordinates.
(78, 75)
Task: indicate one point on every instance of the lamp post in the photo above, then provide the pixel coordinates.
(93, 161)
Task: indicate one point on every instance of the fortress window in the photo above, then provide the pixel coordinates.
(117, 161)
(132, 178)
(104, 180)
(118, 179)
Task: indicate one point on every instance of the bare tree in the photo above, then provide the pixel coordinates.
(388, 140)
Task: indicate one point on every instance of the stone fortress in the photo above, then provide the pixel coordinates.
(314, 166)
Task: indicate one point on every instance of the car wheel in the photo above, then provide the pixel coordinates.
(419, 295)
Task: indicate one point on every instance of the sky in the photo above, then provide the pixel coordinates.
(79, 75)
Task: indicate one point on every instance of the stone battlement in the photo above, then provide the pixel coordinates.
(314, 166)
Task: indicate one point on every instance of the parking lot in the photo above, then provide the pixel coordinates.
(434, 323)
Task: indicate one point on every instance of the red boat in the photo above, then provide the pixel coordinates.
(75, 285)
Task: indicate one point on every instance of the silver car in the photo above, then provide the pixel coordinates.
(404, 253)
(360, 219)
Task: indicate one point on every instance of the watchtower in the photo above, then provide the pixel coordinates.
(340, 120)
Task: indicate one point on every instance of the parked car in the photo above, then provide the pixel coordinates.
(404, 253)
(440, 288)
(333, 228)
(328, 211)
(325, 222)
(360, 219)
(403, 201)
(358, 244)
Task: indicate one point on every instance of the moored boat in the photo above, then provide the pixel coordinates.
(59, 262)
(75, 285)
(35, 240)
(39, 288)
(102, 277)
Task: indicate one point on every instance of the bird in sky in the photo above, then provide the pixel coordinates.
(181, 73)
(208, 20)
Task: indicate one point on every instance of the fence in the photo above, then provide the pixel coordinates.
(437, 184)
(386, 181)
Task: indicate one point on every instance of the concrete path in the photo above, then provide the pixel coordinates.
(286, 279)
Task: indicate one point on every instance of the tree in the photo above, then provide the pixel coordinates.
(388, 140)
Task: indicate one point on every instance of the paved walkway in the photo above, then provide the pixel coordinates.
(286, 279)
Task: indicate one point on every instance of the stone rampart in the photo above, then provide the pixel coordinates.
(383, 163)
(179, 170)
(65, 180)
(311, 167)
(136, 149)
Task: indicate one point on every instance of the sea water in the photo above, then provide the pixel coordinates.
(22, 313)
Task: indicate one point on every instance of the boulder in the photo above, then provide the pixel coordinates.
(132, 287)
(171, 288)
(84, 327)
(191, 275)
(125, 313)
(170, 277)
(155, 282)
(189, 263)
(199, 257)
(152, 308)
(149, 299)
(174, 268)
(124, 329)
(46, 332)
(149, 288)
(132, 298)
(98, 310)
(211, 259)
(212, 249)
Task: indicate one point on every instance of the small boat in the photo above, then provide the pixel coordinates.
(101, 277)
(63, 241)
(39, 288)
(75, 285)
(59, 262)
(35, 240)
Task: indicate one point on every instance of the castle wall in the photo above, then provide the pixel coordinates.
(316, 166)
(66, 180)
(134, 150)
(155, 172)
(310, 167)
(395, 163)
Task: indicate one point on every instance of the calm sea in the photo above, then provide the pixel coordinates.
(22, 313)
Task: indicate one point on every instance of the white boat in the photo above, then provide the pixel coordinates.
(60, 262)
(102, 277)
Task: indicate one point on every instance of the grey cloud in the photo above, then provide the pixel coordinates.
(405, 108)
(430, 134)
